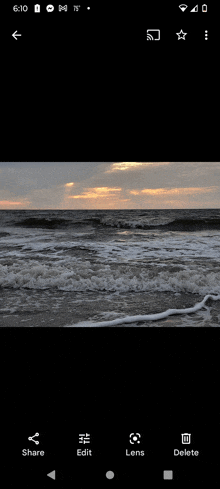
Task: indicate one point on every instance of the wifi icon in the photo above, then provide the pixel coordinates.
(183, 7)
(150, 37)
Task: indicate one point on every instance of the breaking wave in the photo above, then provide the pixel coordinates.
(86, 276)
(185, 225)
(191, 224)
(175, 225)
(47, 223)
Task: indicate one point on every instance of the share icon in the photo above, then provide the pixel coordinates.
(31, 438)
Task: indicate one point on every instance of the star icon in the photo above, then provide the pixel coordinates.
(181, 35)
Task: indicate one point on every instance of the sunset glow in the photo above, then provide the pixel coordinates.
(126, 166)
(109, 185)
(131, 166)
(6, 203)
(172, 191)
(95, 193)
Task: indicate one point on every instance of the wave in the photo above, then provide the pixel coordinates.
(191, 224)
(34, 222)
(180, 225)
(87, 276)
(148, 317)
(175, 225)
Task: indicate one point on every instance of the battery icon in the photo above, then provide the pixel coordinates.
(204, 8)
(37, 8)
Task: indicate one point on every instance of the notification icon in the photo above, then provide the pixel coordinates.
(50, 8)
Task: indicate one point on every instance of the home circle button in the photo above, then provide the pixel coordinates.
(110, 474)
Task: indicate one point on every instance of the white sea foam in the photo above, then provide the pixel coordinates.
(73, 275)
(169, 246)
(149, 317)
(48, 259)
(165, 247)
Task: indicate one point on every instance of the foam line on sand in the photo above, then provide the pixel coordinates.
(148, 317)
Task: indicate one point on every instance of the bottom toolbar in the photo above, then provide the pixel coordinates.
(185, 453)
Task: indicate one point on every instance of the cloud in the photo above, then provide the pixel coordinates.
(96, 193)
(98, 198)
(174, 191)
(9, 203)
(131, 166)
(109, 185)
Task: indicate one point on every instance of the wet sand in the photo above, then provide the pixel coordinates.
(24, 308)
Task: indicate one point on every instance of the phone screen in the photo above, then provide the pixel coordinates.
(109, 270)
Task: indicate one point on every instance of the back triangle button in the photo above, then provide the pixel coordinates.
(52, 474)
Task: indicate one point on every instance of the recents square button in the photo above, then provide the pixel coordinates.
(168, 474)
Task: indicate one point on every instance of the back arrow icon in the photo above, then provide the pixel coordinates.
(15, 34)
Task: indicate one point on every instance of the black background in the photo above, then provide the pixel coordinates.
(114, 95)
(111, 97)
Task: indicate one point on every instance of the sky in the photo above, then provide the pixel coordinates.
(116, 185)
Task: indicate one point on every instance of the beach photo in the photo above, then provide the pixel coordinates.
(109, 244)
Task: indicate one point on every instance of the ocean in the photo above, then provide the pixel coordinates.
(109, 268)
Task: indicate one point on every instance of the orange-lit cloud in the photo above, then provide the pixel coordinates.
(173, 191)
(69, 184)
(96, 193)
(131, 166)
(6, 203)
(99, 198)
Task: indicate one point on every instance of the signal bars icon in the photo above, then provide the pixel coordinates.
(195, 9)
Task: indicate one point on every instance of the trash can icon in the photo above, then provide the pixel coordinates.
(37, 8)
(186, 438)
